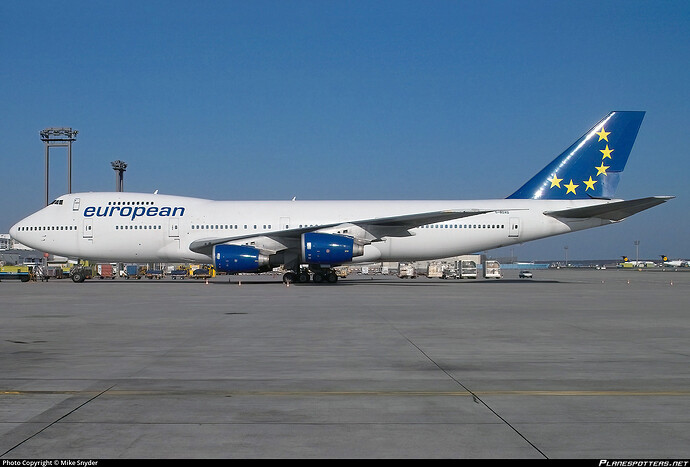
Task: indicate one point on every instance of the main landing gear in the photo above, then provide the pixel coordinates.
(318, 277)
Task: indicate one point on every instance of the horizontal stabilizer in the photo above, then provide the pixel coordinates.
(613, 211)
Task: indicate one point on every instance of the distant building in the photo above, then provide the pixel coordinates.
(8, 243)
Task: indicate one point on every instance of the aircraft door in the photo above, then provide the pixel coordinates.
(88, 228)
(514, 230)
(174, 227)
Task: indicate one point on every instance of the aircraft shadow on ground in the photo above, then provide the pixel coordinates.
(248, 280)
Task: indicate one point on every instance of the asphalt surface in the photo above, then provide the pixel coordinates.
(587, 364)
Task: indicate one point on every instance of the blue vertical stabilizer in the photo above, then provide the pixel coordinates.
(591, 167)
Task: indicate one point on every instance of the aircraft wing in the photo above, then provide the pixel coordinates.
(613, 211)
(393, 226)
(410, 221)
(399, 226)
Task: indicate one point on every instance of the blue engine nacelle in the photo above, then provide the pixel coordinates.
(322, 248)
(238, 258)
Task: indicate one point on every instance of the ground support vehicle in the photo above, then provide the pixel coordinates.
(22, 273)
(204, 272)
(80, 273)
(154, 274)
(179, 274)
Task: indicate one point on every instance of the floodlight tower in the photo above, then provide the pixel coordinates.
(119, 167)
(59, 137)
(566, 255)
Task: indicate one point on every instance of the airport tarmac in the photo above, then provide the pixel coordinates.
(587, 364)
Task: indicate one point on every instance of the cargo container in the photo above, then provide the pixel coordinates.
(407, 271)
(204, 272)
(154, 273)
(435, 270)
(105, 271)
(468, 269)
(179, 273)
(492, 269)
(132, 271)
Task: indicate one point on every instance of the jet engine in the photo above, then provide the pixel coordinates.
(238, 258)
(322, 248)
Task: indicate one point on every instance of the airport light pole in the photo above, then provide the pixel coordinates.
(119, 167)
(566, 255)
(637, 253)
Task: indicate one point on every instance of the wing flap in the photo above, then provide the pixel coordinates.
(415, 220)
(399, 226)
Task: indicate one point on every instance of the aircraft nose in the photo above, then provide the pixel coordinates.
(15, 233)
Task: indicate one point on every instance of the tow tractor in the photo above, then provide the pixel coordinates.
(80, 273)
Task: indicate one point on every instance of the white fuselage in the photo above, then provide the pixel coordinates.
(137, 227)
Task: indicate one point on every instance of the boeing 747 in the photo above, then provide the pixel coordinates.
(309, 238)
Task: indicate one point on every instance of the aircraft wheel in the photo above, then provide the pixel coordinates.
(332, 277)
(289, 277)
(303, 277)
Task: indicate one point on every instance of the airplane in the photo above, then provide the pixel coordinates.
(679, 263)
(627, 263)
(308, 239)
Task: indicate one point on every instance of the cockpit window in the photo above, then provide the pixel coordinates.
(57, 201)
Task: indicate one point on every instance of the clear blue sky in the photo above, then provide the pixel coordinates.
(347, 100)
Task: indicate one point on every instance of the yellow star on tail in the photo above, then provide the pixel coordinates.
(607, 152)
(603, 134)
(590, 183)
(555, 181)
(602, 169)
(571, 187)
